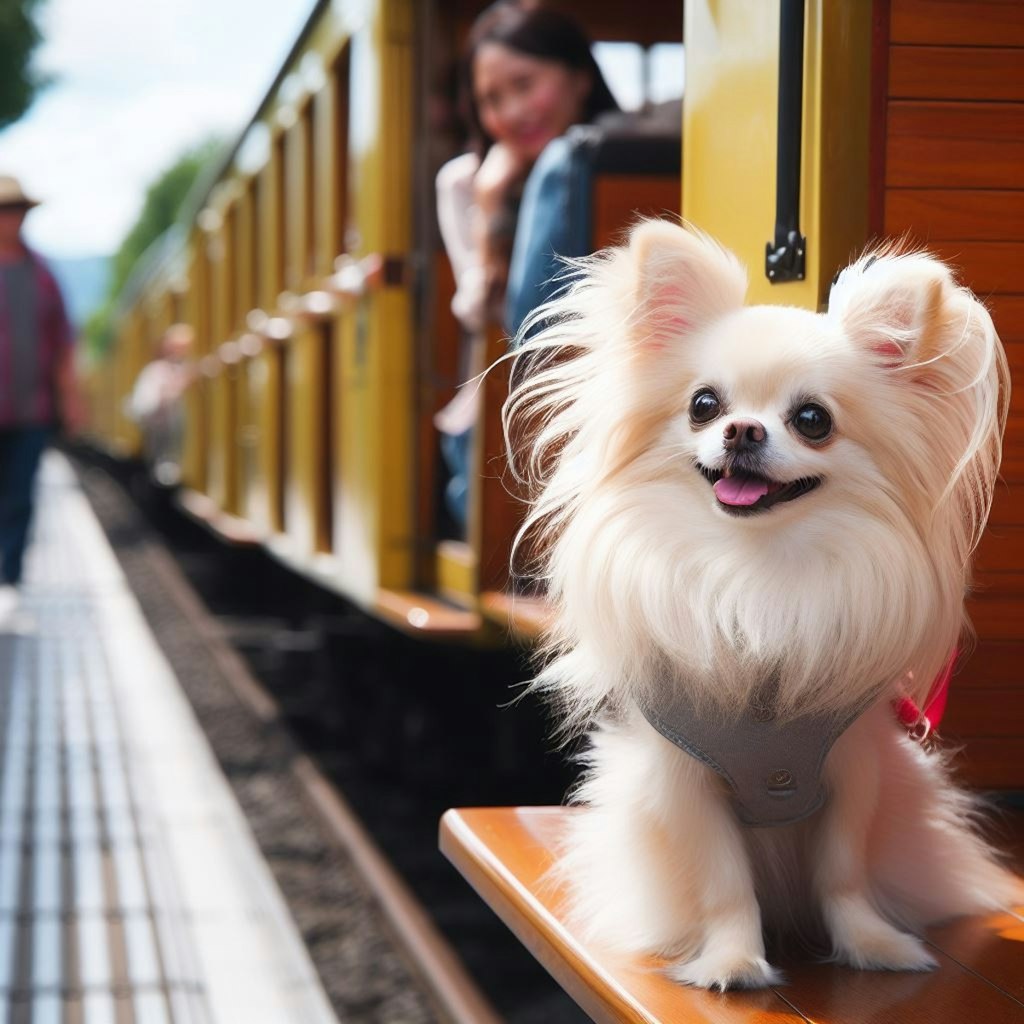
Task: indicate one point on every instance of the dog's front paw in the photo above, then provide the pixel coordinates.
(725, 969)
(863, 939)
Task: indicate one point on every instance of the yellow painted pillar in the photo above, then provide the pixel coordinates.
(730, 115)
(375, 446)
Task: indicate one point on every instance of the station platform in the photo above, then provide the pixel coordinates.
(131, 888)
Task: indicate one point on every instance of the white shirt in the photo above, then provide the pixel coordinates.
(457, 215)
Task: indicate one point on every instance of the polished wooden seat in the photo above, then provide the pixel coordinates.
(505, 854)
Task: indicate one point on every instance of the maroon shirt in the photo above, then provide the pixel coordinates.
(34, 333)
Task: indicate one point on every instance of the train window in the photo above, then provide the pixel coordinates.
(240, 249)
(339, 135)
(206, 296)
(247, 282)
(309, 198)
(176, 303)
(227, 291)
(268, 241)
(195, 295)
(280, 496)
(279, 241)
(638, 76)
(255, 240)
(623, 67)
(325, 540)
(294, 205)
(666, 72)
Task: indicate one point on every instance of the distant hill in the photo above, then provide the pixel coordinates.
(83, 282)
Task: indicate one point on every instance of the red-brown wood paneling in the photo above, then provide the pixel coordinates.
(995, 713)
(954, 180)
(990, 763)
(957, 22)
(1002, 546)
(949, 214)
(1007, 511)
(994, 666)
(1008, 316)
(956, 73)
(955, 145)
(989, 268)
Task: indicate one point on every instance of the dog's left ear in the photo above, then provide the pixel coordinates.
(684, 281)
(897, 306)
(937, 343)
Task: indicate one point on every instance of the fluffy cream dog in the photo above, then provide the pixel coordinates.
(756, 527)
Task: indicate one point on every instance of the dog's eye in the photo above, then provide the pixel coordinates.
(704, 406)
(812, 422)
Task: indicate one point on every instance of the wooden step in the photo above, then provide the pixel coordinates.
(205, 511)
(425, 615)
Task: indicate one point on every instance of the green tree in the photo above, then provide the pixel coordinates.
(160, 209)
(19, 37)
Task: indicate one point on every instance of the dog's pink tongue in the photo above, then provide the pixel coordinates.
(740, 490)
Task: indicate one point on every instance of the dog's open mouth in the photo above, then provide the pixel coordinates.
(742, 494)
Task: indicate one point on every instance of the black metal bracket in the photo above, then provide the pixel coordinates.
(785, 260)
(785, 256)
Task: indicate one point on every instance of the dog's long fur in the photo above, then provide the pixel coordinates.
(854, 587)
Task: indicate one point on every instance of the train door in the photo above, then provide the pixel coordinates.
(469, 565)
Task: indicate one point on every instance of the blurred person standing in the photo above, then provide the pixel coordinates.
(38, 392)
(156, 403)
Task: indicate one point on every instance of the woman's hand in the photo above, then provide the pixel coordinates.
(500, 171)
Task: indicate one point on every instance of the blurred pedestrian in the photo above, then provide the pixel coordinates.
(156, 403)
(38, 392)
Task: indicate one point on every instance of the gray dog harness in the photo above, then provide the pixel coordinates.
(773, 767)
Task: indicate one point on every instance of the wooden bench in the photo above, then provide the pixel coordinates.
(504, 853)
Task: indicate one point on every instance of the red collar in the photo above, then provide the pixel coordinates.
(922, 723)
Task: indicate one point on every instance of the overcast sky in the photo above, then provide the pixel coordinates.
(136, 83)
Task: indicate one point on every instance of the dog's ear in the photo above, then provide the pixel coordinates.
(900, 307)
(684, 281)
(937, 345)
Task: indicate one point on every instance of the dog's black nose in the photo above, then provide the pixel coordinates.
(743, 434)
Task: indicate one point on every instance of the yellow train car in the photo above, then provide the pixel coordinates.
(317, 287)
(312, 272)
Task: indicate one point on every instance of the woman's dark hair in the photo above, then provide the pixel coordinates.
(537, 32)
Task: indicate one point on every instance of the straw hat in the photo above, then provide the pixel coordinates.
(12, 194)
